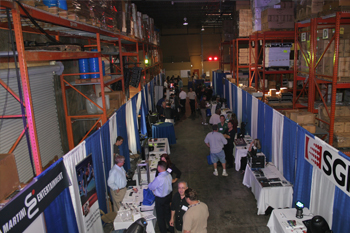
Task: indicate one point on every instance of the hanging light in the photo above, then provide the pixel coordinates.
(202, 28)
(185, 21)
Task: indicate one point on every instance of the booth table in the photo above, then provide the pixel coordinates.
(134, 201)
(276, 197)
(164, 130)
(240, 152)
(279, 217)
(164, 149)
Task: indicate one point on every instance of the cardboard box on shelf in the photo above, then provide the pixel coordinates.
(9, 180)
(341, 140)
(309, 127)
(303, 117)
(272, 92)
(288, 112)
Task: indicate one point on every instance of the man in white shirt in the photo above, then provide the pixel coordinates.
(215, 118)
(183, 97)
(117, 181)
(192, 96)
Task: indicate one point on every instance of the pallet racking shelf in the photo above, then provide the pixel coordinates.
(236, 66)
(313, 58)
(63, 27)
(224, 46)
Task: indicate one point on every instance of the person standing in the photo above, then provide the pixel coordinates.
(118, 143)
(222, 126)
(196, 217)
(162, 189)
(183, 97)
(229, 134)
(170, 167)
(203, 107)
(216, 141)
(179, 206)
(192, 96)
(117, 181)
(215, 118)
(180, 83)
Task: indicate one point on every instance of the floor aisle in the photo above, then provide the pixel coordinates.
(232, 206)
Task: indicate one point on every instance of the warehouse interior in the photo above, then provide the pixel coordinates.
(291, 55)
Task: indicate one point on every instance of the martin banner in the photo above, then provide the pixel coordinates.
(327, 160)
(17, 215)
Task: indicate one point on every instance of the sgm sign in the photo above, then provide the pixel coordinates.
(17, 215)
(329, 162)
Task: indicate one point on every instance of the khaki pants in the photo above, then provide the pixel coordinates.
(117, 198)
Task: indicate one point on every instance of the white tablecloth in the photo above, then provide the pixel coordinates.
(134, 200)
(160, 150)
(276, 197)
(279, 217)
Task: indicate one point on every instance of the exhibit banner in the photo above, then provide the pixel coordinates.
(88, 195)
(327, 159)
(17, 215)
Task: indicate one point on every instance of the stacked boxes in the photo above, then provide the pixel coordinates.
(309, 9)
(257, 6)
(245, 27)
(305, 119)
(278, 18)
(244, 56)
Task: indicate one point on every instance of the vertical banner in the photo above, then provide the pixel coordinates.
(88, 195)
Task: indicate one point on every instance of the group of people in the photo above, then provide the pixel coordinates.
(181, 212)
(221, 141)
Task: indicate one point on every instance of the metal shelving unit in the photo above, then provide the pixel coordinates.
(312, 59)
(236, 66)
(226, 47)
(64, 28)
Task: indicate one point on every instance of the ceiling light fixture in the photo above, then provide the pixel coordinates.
(185, 21)
(202, 28)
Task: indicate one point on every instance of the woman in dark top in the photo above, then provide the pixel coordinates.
(171, 168)
(229, 134)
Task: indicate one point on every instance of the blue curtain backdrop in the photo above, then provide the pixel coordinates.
(146, 100)
(93, 146)
(143, 114)
(135, 115)
(303, 177)
(341, 211)
(219, 87)
(261, 121)
(289, 148)
(235, 100)
(244, 107)
(152, 94)
(249, 113)
(227, 93)
(267, 140)
(106, 148)
(124, 148)
(59, 215)
(214, 82)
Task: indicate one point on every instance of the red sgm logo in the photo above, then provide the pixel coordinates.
(313, 152)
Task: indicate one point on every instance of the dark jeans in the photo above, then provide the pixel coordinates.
(183, 103)
(193, 106)
(163, 212)
(229, 155)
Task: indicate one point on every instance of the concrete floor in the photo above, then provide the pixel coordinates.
(232, 206)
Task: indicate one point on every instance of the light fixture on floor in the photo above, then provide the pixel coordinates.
(185, 21)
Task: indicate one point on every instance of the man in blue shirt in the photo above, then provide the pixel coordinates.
(117, 181)
(162, 189)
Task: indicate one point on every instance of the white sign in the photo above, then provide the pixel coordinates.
(303, 36)
(326, 159)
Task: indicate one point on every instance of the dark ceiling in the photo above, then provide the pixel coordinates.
(171, 14)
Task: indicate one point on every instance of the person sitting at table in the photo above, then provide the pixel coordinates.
(171, 168)
(160, 102)
(222, 125)
(257, 144)
(218, 102)
(215, 118)
(168, 113)
(161, 112)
